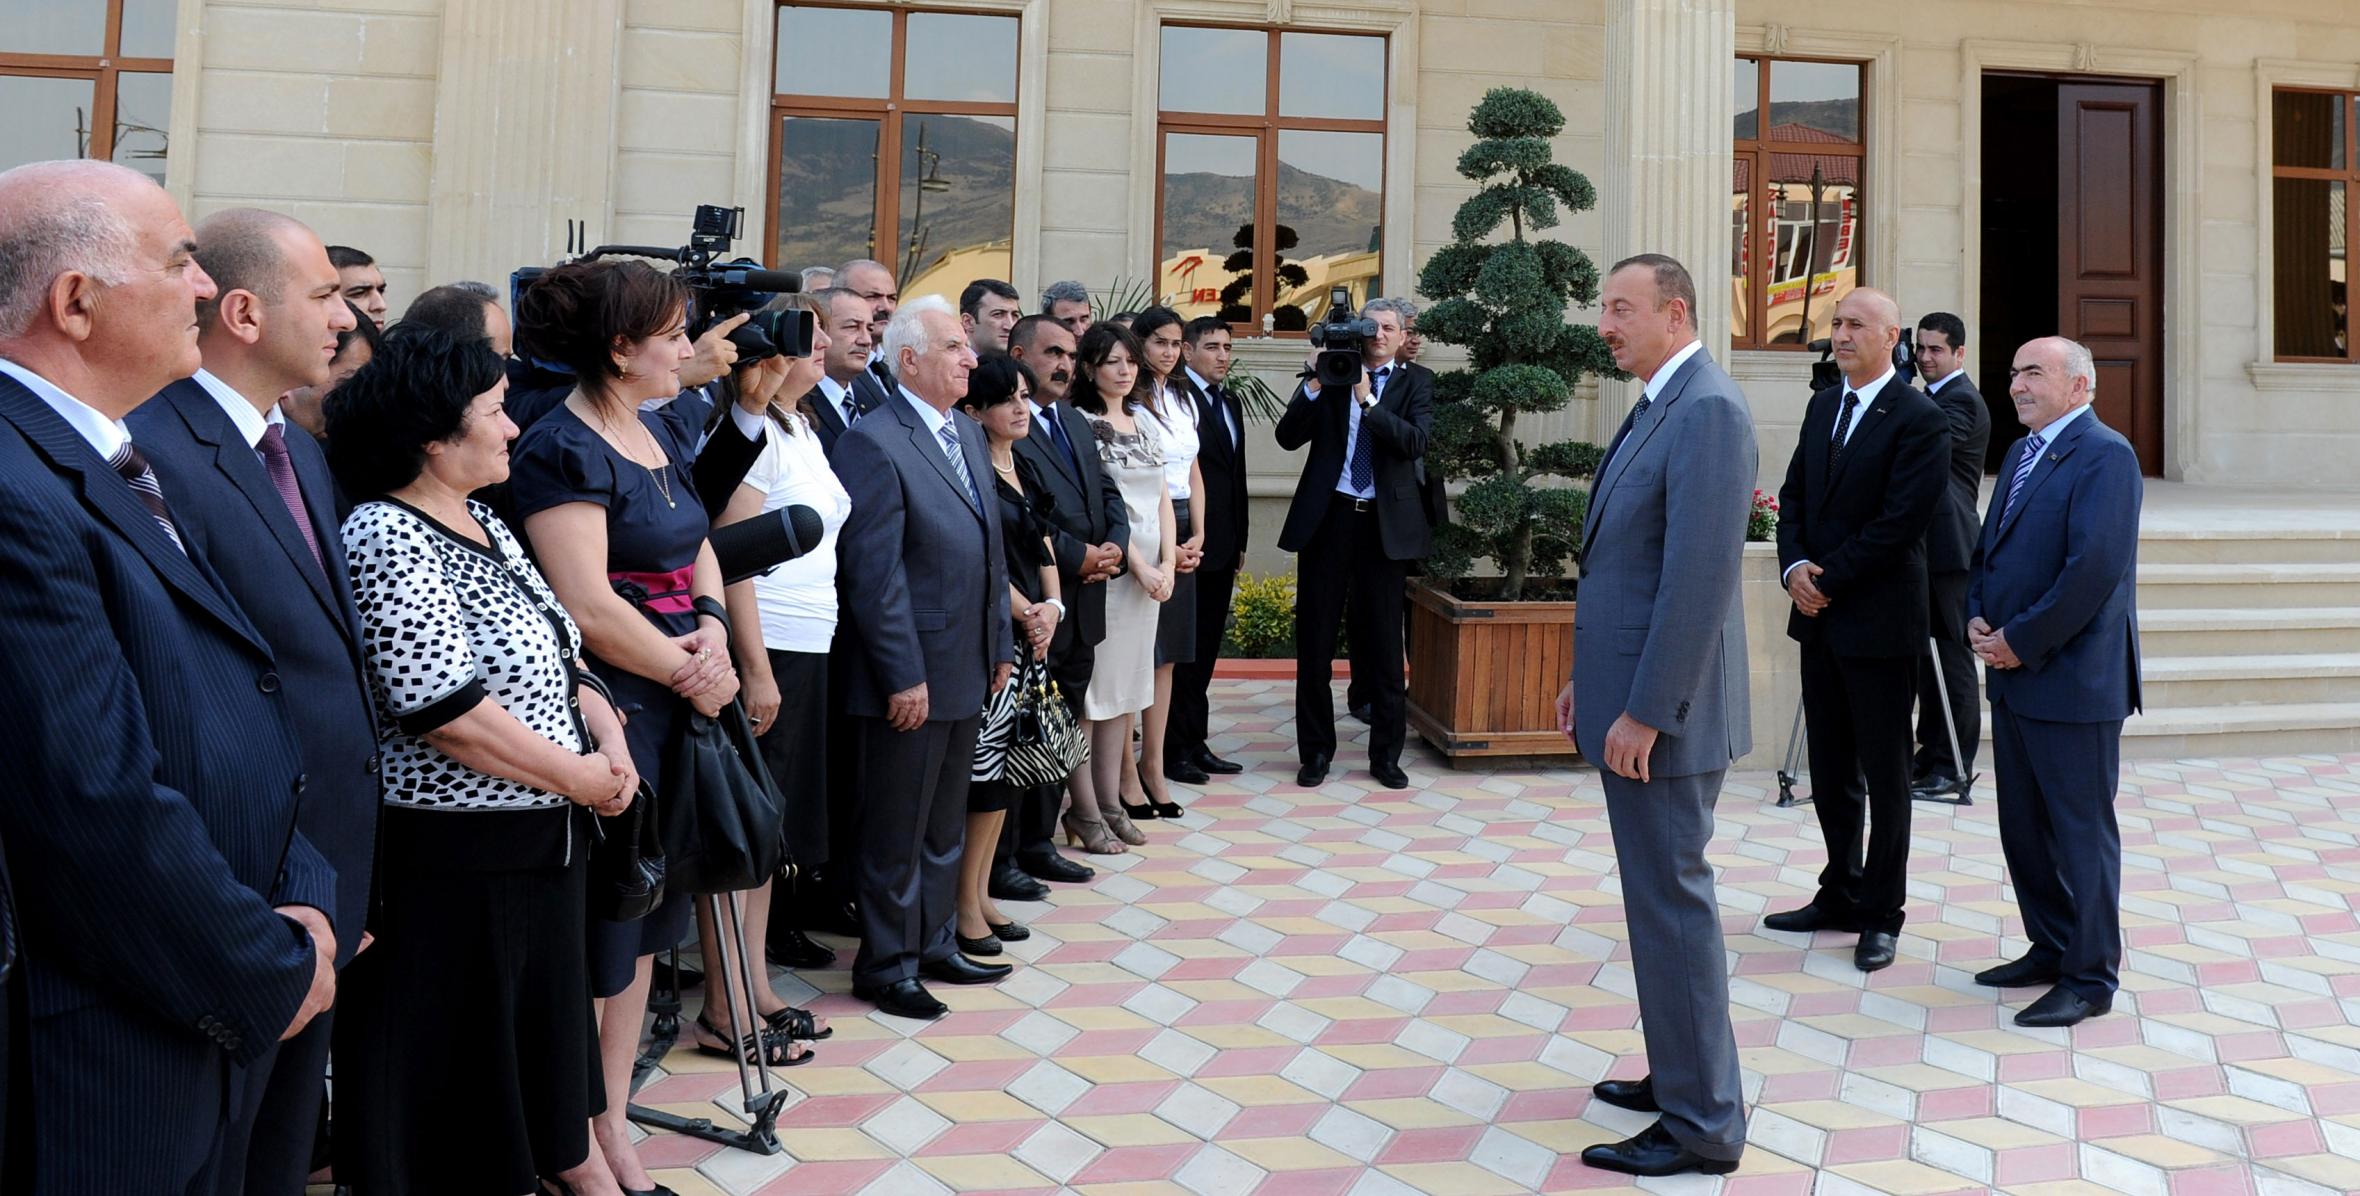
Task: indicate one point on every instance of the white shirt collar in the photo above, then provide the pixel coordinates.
(251, 423)
(1868, 394)
(1671, 365)
(1202, 386)
(1944, 380)
(837, 393)
(934, 420)
(2048, 435)
(107, 436)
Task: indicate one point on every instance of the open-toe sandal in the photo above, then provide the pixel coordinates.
(798, 1023)
(777, 1048)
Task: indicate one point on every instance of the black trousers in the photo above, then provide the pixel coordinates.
(1958, 677)
(1857, 709)
(1347, 557)
(833, 880)
(1191, 681)
(913, 830)
(2057, 783)
(272, 1141)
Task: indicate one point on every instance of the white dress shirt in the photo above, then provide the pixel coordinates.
(1935, 387)
(106, 436)
(1236, 438)
(251, 423)
(1378, 377)
(839, 396)
(1868, 397)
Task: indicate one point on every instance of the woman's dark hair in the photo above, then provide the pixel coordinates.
(575, 314)
(363, 329)
(994, 381)
(414, 392)
(449, 306)
(1097, 345)
(1145, 325)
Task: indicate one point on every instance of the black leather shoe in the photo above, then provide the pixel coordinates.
(1653, 1151)
(1008, 883)
(2061, 1006)
(1053, 866)
(2019, 973)
(1205, 759)
(1313, 772)
(958, 969)
(1875, 951)
(1809, 918)
(903, 998)
(987, 945)
(790, 947)
(1636, 1095)
(1389, 775)
(1932, 782)
(1186, 772)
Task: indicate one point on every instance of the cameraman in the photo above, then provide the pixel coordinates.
(1355, 525)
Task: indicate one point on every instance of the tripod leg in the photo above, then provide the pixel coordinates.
(1958, 760)
(747, 966)
(1787, 775)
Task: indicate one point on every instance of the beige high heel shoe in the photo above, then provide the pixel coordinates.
(1090, 835)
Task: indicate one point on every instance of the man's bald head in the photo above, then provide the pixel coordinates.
(58, 218)
(1867, 324)
(246, 249)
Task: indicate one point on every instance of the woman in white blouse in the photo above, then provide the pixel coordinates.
(1159, 333)
(781, 623)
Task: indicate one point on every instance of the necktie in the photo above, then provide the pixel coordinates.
(273, 448)
(1835, 449)
(2032, 447)
(1364, 474)
(951, 449)
(1633, 422)
(135, 470)
(1221, 404)
(852, 411)
(1064, 443)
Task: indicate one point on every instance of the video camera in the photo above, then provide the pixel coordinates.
(718, 289)
(1826, 373)
(1343, 339)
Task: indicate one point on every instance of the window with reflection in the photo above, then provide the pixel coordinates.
(2315, 167)
(1796, 224)
(87, 79)
(893, 137)
(1271, 152)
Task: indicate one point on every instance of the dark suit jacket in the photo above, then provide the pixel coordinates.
(148, 812)
(1950, 540)
(1863, 519)
(831, 425)
(2055, 574)
(1086, 510)
(924, 581)
(1399, 423)
(228, 511)
(1224, 504)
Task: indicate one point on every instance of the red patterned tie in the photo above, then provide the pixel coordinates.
(134, 467)
(273, 448)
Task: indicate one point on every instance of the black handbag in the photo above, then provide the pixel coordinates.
(723, 822)
(627, 872)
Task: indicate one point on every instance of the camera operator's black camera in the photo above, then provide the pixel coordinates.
(718, 289)
(1343, 339)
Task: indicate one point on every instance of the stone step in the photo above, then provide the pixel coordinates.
(2248, 546)
(2248, 584)
(2261, 729)
(2172, 682)
(2245, 630)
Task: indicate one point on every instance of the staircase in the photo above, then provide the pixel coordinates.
(2249, 625)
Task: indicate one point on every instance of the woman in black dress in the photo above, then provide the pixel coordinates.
(604, 490)
(999, 397)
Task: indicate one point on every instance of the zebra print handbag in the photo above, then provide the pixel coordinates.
(1048, 743)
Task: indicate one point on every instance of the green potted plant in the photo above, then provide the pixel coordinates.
(1489, 653)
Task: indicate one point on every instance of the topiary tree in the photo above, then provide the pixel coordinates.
(1505, 302)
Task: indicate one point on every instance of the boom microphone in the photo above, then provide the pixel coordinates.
(758, 545)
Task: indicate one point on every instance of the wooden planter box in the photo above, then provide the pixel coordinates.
(1484, 676)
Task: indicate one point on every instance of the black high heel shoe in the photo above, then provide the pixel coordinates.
(1165, 809)
(1141, 813)
(988, 945)
(1009, 932)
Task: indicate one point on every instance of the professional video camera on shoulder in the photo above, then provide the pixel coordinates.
(718, 289)
(1343, 339)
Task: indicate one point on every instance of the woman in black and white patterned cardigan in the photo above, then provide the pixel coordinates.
(476, 977)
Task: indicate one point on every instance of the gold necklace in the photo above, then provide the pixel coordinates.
(658, 472)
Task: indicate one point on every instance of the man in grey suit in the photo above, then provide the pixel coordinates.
(1658, 702)
(926, 592)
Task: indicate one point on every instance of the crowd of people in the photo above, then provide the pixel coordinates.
(353, 651)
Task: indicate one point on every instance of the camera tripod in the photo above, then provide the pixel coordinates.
(763, 1099)
(1956, 793)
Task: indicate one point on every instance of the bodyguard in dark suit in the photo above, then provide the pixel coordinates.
(1658, 702)
(174, 918)
(926, 594)
(846, 390)
(1223, 507)
(2053, 610)
(252, 498)
(1356, 523)
(1091, 525)
(1865, 479)
(1950, 548)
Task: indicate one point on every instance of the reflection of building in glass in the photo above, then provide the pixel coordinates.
(1810, 227)
(1191, 282)
(950, 272)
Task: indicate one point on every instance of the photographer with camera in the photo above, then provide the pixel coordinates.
(1356, 523)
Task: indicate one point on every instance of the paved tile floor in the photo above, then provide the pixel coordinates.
(1350, 990)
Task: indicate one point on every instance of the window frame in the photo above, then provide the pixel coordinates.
(889, 112)
(1265, 130)
(102, 70)
(2349, 176)
(1756, 152)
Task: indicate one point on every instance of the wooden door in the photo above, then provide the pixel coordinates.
(2110, 250)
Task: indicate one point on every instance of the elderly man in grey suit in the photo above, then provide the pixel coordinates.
(926, 592)
(1658, 702)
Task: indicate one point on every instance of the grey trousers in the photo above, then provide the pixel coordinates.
(913, 831)
(1660, 832)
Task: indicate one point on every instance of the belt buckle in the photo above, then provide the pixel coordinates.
(1363, 504)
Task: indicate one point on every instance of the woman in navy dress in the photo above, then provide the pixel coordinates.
(604, 490)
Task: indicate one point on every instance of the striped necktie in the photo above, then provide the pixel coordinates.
(950, 448)
(142, 478)
(2032, 447)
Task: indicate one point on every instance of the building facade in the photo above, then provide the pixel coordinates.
(2166, 179)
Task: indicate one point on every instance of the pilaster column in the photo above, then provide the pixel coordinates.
(1668, 155)
(524, 133)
